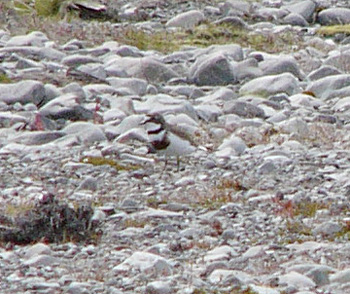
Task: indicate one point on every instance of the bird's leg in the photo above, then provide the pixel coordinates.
(178, 163)
(165, 163)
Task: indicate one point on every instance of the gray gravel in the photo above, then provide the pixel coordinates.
(262, 204)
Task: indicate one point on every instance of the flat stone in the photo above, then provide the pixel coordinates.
(186, 20)
(38, 137)
(35, 38)
(334, 16)
(23, 92)
(86, 132)
(145, 262)
(135, 86)
(331, 86)
(269, 85)
(41, 260)
(297, 280)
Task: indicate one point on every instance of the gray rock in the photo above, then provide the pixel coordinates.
(231, 146)
(79, 59)
(297, 280)
(147, 263)
(86, 132)
(247, 69)
(295, 19)
(129, 51)
(218, 96)
(66, 107)
(342, 276)
(78, 288)
(8, 119)
(295, 125)
(39, 53)
(165, 104)
(76, 89)
(269, 85)
(133, 85)
(235, 7)
(23, 92)
(233, 52)
(234, 21)
(37, 249)
(226, 277)
(25, 63)
(35, 38)
(229, 234)
(339, 60)
(330, 86)
(334, 16)
(270, 13)
(224, 252)
(93, 70)
(41, 260)
(306, 9)
(279, 65)
(213, 70)
(89, 183)
(147, 68)
(329, 229)
(158, 287)
(322, 72)
(38, 137)
(208, 112)
(243, 109)
(186, 20)
(319, 275)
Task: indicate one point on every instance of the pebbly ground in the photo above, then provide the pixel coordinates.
(262, 206)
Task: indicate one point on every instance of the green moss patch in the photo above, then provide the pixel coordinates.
(107, 161)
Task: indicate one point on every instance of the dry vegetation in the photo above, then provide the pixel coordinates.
(60, 23)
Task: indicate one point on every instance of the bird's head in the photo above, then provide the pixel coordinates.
(154, 118)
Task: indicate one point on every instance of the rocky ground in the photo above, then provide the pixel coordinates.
(261, 206)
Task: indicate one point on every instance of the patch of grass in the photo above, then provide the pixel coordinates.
(4, 79)
(232, 184)
(333, 30)
(154, 202)
(107, 161)
(303, 209)
(161, 41)
(210, 34)
(295, 232)
(297, 227)
(307, 208)
(49, 7)
(134, 223)
(22, 6)
(16, 210)
(222, 193)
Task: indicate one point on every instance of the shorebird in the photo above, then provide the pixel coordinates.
(166, 139)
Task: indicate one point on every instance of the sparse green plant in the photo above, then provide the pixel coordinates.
(307, 208)
(95, 160)
(48, 7)
(333, 30)
(154, 202)
(12, 210)
(295, 231)
(135, 223)
(4, 79)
